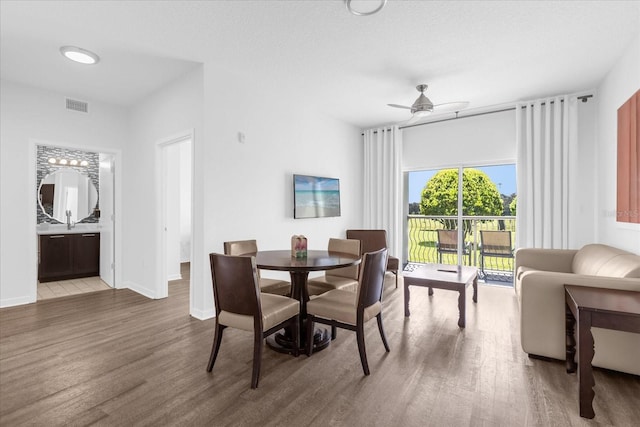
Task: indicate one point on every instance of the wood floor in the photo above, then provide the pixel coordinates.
(116, 358)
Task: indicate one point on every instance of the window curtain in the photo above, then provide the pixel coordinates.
(383, 184)
(546, 169)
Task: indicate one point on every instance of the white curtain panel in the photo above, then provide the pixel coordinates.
(546, 137)
(383, 184)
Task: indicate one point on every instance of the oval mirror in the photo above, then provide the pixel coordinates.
(67, 190)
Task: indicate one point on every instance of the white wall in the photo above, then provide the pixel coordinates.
(249, 189)
(185, 201)
(172, 210)
(617, 87)
(28, 114)
(172, 111)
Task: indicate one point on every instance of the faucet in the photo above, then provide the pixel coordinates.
(70, 224)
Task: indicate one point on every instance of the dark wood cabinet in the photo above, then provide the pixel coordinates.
(69, 256)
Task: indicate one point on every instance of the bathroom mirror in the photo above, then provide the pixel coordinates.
(67, 190)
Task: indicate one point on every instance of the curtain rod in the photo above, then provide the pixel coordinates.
(583, 98)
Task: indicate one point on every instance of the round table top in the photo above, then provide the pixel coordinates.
(315, 260)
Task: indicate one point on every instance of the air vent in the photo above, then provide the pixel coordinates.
(75, 105)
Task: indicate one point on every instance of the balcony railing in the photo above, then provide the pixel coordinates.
(424, 248)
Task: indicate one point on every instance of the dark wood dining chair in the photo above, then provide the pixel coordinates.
(345, 278)
(349, 310)
(250, 247)
(240, 304)
(372, 240)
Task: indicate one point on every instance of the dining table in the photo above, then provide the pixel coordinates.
(299, 269)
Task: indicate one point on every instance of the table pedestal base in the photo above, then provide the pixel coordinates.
(282, 341)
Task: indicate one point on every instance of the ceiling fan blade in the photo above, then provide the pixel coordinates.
(399, 106)
(415, 118)
(450, 106)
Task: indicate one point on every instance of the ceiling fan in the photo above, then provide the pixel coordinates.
(423, 106)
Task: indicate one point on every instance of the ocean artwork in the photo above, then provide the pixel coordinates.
(316, 196)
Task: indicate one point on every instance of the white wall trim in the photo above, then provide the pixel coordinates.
(162, 287)
(12, 302)
(174, 277)
(203, 314)
(146, 292)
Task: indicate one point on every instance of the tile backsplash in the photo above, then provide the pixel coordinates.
(44, 168)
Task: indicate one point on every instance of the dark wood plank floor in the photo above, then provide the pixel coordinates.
(116, 358)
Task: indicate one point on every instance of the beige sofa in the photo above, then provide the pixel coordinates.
(540, 276)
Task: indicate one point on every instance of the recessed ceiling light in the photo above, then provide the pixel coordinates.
(80, 55)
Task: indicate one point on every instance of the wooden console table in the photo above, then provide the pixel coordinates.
(601, 308)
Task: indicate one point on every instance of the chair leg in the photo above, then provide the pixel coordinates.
(216, 346)
(382, 335)
(334, 332)
(396, 273)
(258, 343)
(309, 343)
(295, 328)
(361, 349)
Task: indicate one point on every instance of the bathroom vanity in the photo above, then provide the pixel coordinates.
(68, 255)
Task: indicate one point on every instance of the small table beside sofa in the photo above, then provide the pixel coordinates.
(540, 279)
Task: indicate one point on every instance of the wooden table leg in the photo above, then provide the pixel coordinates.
(570, 323)
(407, 296)
(475, 289)
(462, 307)
(585, 370)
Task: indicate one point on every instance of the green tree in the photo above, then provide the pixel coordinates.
(513, 205)
(480, 196)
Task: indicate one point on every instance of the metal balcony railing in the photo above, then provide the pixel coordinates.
(424, 247)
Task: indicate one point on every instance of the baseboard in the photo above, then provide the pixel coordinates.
(12, 302)
(149, 293)
(202, 314)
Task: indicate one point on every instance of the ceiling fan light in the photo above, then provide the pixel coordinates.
(422, 113)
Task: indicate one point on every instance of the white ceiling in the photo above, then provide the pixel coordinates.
(484, 52)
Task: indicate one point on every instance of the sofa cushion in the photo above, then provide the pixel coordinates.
(625, 265)
(593, 260)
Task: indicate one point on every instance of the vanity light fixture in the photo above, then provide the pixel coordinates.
(80, 55)
(65, 162)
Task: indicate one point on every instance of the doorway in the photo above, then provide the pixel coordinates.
(89, 247)
(175, 170)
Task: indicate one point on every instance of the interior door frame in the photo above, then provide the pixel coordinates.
(32, 188)
(161, 207)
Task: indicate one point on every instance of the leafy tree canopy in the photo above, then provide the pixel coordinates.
(513, 206)
(480, 196)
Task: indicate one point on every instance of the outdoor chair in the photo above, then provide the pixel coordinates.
(240, 304)
(351, 310)
(250, 247)
(448, 244)
(494, 244)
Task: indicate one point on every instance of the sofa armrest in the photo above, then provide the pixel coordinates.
(557, 260)
(542, 308)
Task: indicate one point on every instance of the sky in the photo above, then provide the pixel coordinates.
(504, 176)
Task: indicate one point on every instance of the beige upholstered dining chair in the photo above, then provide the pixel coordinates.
(372, 240)
(345, 278)
(240, 304)
(351, 310)
(250, 247)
